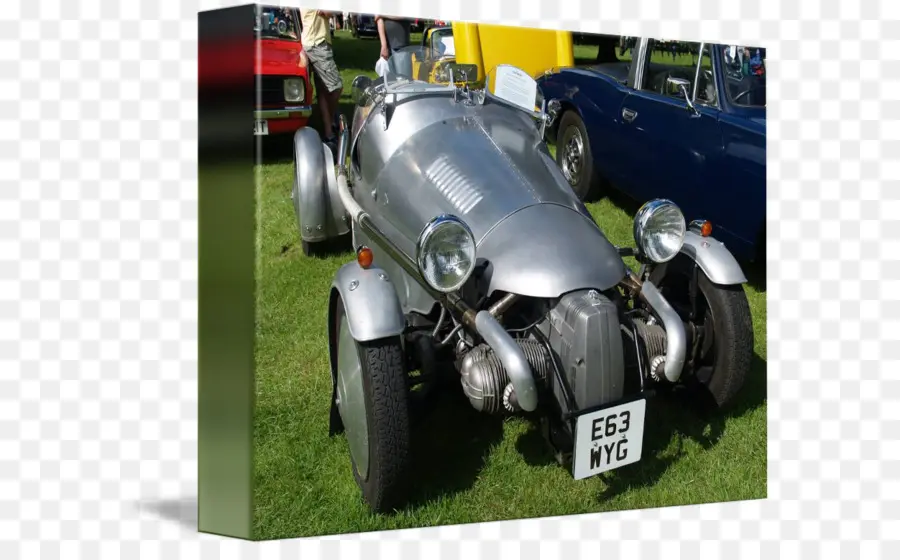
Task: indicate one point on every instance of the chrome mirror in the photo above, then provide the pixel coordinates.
(554, 107)
(359, 88)
(549, 112)
(680, 85)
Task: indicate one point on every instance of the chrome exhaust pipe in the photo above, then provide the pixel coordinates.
(344, 145)
(676, 338)
(511, 356)
(350, 205)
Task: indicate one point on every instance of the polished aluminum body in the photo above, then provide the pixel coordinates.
(433, 152)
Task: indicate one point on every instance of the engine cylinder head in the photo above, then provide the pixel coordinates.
(654, 338)
(485, 381)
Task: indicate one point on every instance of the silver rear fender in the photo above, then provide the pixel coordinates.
(317, 204)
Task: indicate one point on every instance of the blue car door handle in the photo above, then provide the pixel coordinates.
(628, 114)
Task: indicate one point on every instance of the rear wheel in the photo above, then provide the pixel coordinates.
(372, 400)
(313, 248)
(722, 320)
(574, 157)
(316, 249)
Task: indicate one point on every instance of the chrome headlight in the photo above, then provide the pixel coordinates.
(659, 230)
(445, 253)
(294, 90)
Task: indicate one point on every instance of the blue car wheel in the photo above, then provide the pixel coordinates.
(573, 155)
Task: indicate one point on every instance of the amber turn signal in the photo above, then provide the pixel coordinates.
(706, 229)
(364, 257)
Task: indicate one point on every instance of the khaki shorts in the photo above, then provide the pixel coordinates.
(321, 59)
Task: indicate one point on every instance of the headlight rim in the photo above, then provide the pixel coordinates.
(301, 88)
(643, 216)
(429, 230)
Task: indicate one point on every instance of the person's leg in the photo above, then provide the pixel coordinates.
(316, 58)
(328, 86)
(334, 98)
(324, 106)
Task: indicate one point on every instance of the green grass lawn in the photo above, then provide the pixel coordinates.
(468, 467)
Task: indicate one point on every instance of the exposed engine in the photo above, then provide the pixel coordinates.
(486, 383)
(653, 337)
(582, 329)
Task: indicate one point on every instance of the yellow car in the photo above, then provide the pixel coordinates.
(474, 50)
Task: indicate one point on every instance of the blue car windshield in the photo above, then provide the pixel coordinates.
(744, 69)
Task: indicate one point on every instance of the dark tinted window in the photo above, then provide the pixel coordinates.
(744, 69)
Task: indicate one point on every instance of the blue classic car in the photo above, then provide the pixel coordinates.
(665, 119)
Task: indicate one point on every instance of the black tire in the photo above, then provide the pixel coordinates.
(587, 185)
(734, 340)
(322, 249)
(723, 371)
(312, 249)
(386, 396)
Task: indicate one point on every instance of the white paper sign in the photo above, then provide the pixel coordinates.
(446, 47)
(515, 86)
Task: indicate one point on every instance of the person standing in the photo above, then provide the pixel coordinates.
(394, 35)
(316, 39)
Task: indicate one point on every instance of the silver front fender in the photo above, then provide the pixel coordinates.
(713, 258)
(370, 302)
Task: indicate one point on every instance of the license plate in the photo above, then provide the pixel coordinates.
(608, 439)
(260, 128)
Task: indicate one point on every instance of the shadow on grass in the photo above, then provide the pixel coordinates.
(669, 417)
(452, 442)
(322, 250)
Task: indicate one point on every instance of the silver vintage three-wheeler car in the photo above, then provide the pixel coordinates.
(473, 254)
